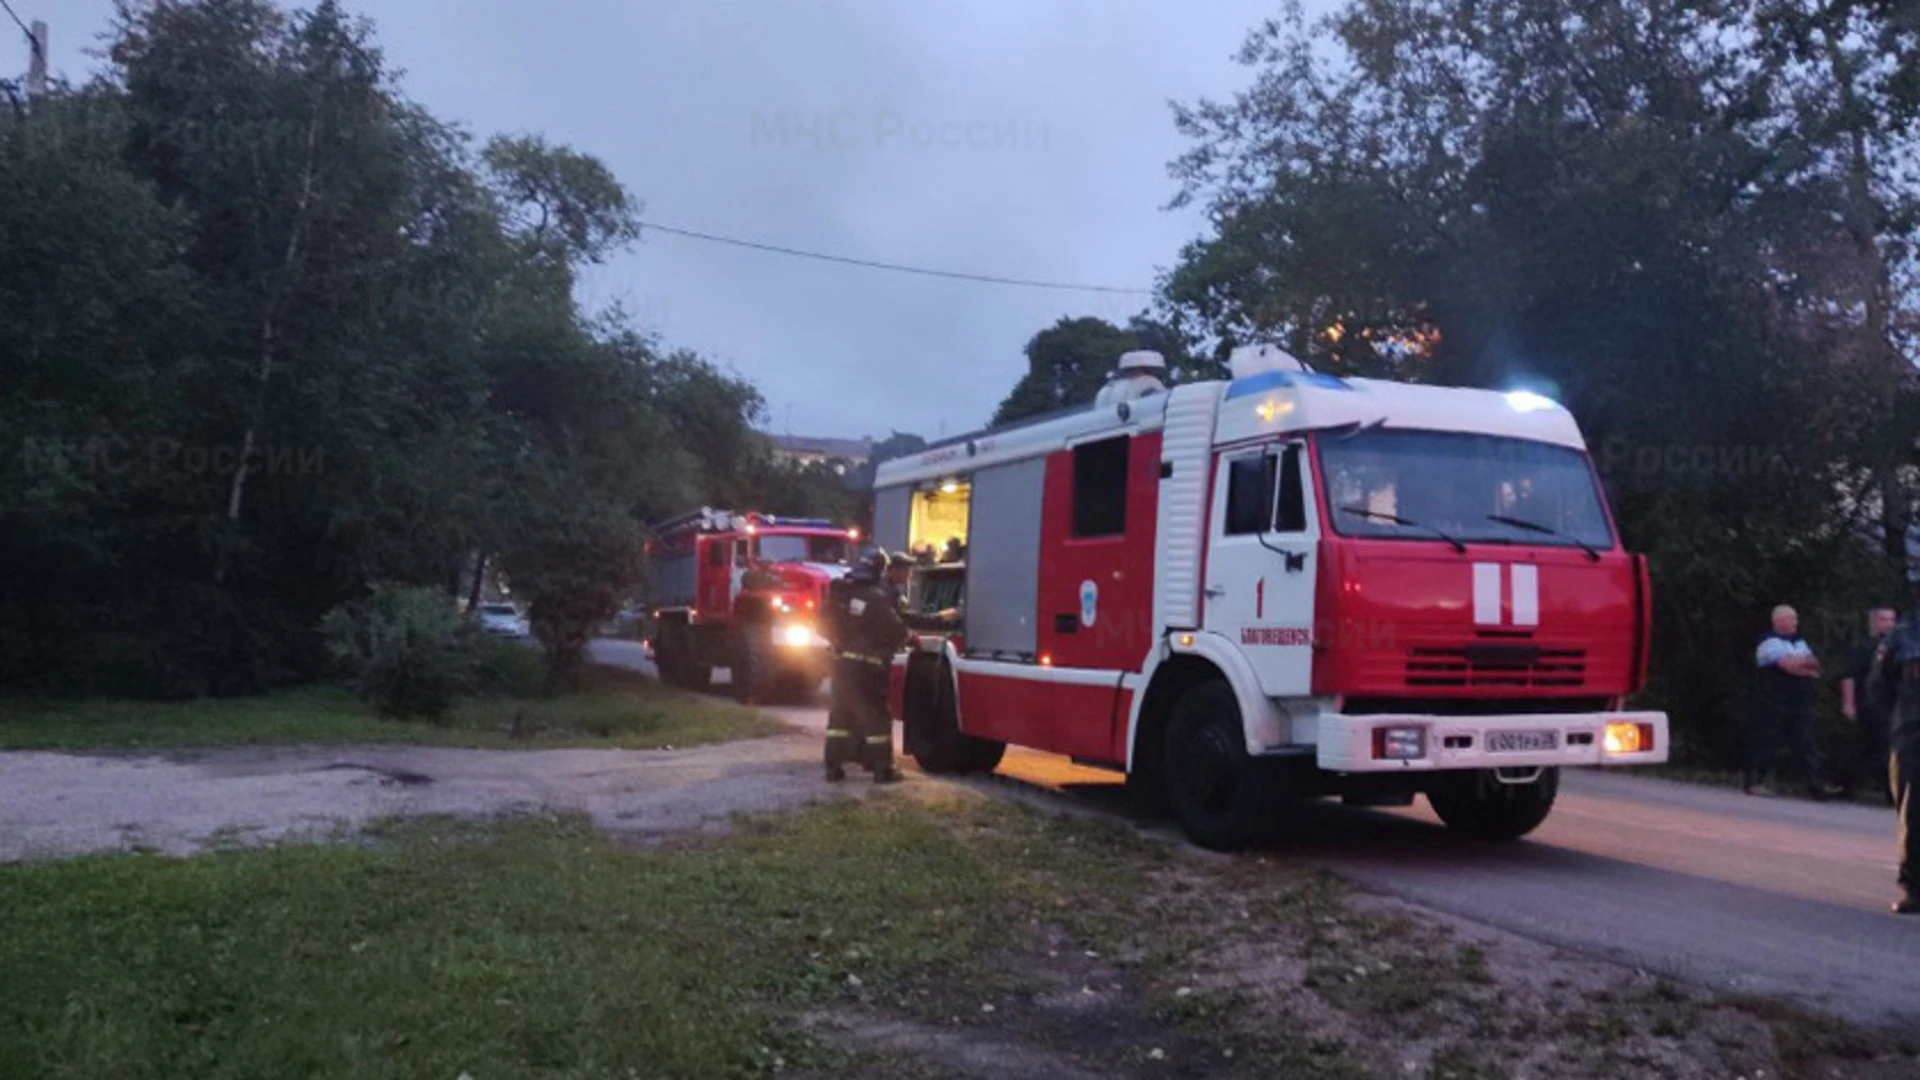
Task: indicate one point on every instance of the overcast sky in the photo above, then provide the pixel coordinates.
(1020, 138)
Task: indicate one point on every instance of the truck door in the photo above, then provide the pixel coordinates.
(716, 577)
(1262, 543)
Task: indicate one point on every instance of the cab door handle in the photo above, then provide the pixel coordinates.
(1216, 590)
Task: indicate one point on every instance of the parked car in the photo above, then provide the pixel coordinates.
(504, 620)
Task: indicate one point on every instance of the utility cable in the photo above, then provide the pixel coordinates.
(897, 267)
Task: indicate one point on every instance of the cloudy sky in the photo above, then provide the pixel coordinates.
(1017, 138)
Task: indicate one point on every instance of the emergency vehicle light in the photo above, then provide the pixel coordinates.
(1527, 401)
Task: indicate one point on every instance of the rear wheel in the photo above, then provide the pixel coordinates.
(936, 741)
(1224, 798)
(1480, 805)
(677, 660)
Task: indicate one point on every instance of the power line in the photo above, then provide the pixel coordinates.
(31, 39)
(898, 267)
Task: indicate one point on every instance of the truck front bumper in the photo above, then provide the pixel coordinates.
(1404, 742)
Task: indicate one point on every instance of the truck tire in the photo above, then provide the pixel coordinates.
(1478, 805)
(940, 747)
(756, 676)
(677, 663)
(666, 656)
(1224, 798)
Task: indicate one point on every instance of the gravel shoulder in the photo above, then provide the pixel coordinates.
(59, 804)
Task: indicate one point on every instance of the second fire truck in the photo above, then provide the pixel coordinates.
(1282, 584)
(743, 591)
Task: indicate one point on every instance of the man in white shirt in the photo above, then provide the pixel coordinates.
(1788, 672)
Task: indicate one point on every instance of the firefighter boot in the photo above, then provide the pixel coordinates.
(840, 749)
(880, 759)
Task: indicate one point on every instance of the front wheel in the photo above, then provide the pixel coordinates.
(1481, 805)
(755, 676)
(1224, 798)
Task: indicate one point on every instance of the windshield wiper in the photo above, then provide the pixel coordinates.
(1533, 526)
(1398, 520)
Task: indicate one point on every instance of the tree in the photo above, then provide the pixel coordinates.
(275, 333)
(1068, 362)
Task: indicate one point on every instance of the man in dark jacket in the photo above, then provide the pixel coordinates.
(1862, 703)
(865, 630)
(1899, 680)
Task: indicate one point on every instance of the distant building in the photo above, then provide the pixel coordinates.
(839, 454)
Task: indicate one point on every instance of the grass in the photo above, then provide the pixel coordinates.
(535, 947)
(613, 708)
(530, 949)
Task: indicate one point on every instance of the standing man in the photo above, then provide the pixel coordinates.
(1788, 670)
(866, 630)
(1900, 668)
(1866, 705)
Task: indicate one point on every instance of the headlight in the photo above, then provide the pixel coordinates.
(1399, 743)
(795, 635)
(1629, 738)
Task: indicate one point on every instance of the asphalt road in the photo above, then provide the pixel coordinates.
(1774, 897)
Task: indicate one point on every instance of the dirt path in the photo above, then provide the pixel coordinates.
(65, 804)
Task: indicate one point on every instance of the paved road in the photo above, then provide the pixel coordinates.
(1774, 897)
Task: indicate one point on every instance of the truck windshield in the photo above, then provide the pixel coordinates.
(1416, 484)
(814, 549)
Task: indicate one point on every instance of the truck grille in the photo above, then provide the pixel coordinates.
(1489, 664)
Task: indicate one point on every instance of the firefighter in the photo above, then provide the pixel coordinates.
(866, 630)
(1900, 683)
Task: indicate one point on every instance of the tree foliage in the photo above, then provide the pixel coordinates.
(274, 332)
(1691, 222)
(1068, 362)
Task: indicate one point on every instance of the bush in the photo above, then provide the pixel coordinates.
(406, 650)
(512, 669)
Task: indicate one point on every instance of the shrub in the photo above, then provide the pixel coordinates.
(406, 650)
(512, 669)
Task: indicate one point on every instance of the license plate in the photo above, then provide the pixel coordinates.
(1512, 742)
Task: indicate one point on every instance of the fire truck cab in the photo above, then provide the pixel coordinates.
(1284, 584)
(745, 592)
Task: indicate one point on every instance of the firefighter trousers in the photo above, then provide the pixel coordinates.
(859, 730)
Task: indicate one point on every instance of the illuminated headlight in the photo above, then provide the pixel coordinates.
(795, 635)
(1399, 743)
(1629, 738)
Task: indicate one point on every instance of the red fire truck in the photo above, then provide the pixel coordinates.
(743, 591)
(1282, 584)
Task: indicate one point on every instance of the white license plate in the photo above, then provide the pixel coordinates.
(1512, 742)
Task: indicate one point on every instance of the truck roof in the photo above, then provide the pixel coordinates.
(710, 520)
(1259, 405)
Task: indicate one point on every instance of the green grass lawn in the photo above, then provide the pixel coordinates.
(528, 949)
(613, 708)
(958, 928)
